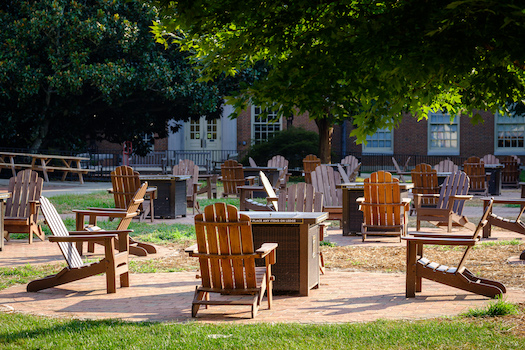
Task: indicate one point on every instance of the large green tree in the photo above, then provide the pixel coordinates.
(77, 70)
(371, 61)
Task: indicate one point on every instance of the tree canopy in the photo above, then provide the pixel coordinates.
(371, 61)
(77, 70)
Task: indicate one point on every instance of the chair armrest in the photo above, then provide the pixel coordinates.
(266, 248)
(81, 238)
(426, 195)
(110, 190)
(192, 249)
(360, 200)
(102, 209)
(461, 197)
(250, 180)
(88, 233)
(440, 241)
(439, 235)
(102, 212)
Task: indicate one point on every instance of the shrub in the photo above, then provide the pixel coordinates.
(293, 144)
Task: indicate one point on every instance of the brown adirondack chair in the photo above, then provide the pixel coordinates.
(419, 267)
(385, 213)
(425, 182)
(446, 166)
(325, 180)
(490, 159)
(449, 208)
(227, 259)
(125, 183)
(188, 167)
(475, 169)
(280, 162)
(352, 165)
(125, 215)
(232, 177)
(510, 175)
(310, 162)
(21, 212)
(114, 263)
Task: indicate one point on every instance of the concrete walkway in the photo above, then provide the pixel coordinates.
(343, 296)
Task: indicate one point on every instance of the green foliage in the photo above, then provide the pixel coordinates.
(371, 61)
(293, 144)
(498, 308)
(72, 70)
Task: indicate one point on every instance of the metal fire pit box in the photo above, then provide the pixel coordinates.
(171, 194)
(297, 233)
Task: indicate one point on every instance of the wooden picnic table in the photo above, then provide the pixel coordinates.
(45, 163)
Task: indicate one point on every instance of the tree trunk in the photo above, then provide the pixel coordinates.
(43, 129)
(326, 129)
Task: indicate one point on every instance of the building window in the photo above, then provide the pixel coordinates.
(443, 134)
(510, 134)
(263, 127)
(380, 143)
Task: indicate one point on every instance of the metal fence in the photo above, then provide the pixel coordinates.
(105, 161)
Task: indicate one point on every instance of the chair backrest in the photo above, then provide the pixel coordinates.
(125, 183)
(352, 166)
(511, 171)
(490, 159)
(57, 227)
(133, 207)
(252, 162)
(232, 176)
(455, 184)
(310, 162)
(475, 169)
(382, 200)
(446, 166)
(325, 180)
(26, 186)
(224, 237)
(300, 197)
(278, 161)
(187, 167)
(425, 181)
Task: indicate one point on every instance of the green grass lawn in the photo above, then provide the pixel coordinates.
(32, 332)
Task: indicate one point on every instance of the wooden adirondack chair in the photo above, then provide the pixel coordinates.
(384, 211)
(419, 267)
(188, 167)
(352, 167)
(400, 172)
(310, 162)
(490, 159)
(21, 213)
(247, 203)
(232, 177)
(449, 208)
(425, 182)
(325, 180)
(475, 169)
(510, 175)
(114, 263)
(227, 259)
(125, 183)
(446, 166)
(125, 215)
(280, 162)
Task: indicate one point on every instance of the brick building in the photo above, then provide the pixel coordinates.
(438, 136)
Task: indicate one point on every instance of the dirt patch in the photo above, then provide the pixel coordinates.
(487, 261)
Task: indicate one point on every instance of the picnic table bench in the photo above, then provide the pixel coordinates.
(45, 163)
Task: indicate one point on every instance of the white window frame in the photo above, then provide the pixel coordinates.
(432, 150)
(503, 120)
(267, 123)
(369, 147)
